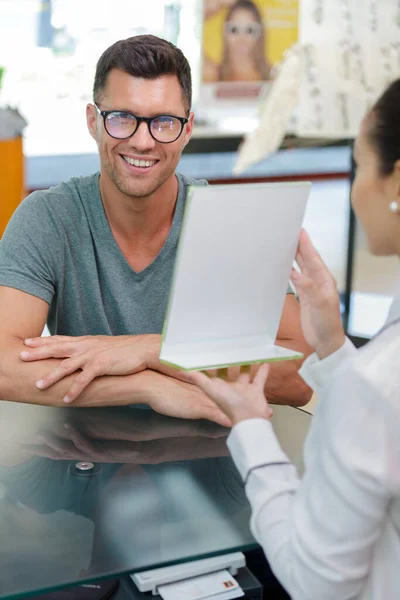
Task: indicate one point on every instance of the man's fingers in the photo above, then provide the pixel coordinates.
(48, 339)
(54, 350)
(81, 382)
(39, 341)
(208, 410)
(67, 367)
(216, 415)
(220, 418)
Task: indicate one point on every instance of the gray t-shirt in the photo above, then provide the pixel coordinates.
(59, 247)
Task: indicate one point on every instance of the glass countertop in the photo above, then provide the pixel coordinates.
(88, 493)
(91, 493)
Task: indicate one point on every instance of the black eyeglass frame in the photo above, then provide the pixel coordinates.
(139, 120)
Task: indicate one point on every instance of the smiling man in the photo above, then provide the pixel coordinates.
(93, 257)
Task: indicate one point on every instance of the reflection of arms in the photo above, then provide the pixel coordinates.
(142, 453)
(131, 436)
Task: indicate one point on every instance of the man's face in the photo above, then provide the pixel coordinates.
(143, 98)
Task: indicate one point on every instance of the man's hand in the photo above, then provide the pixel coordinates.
(95, 356)
(319, 300)
(241, 397)
(189, 402)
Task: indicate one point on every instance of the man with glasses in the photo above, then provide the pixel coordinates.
(93, 257)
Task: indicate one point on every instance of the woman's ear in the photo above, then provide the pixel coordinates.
(395, 177)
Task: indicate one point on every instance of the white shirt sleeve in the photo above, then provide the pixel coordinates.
(319, 535)
(317, 373)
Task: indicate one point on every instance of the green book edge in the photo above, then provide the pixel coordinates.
(237, 364)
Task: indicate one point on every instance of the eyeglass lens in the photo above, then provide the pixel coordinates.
(163, 128)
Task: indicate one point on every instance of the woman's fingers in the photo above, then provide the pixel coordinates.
(211, 372)
(215, 388)
(304, 285)
(244, 377)
(308, 257)
(233, 373)
(261, 376)
(200, 379)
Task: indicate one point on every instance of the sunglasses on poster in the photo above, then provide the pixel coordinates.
(250, 29)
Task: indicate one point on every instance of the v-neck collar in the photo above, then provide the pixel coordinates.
(170, 243)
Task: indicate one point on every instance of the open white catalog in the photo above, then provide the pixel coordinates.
(231, 275)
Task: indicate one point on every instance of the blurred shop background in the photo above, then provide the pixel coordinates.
(49, 48)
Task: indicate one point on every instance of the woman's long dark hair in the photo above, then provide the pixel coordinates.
(385, 130)
(259, 59)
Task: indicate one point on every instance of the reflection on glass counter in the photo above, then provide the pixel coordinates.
(90, 493)
(86, 493)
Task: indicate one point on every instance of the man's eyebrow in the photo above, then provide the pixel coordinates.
(129, 110)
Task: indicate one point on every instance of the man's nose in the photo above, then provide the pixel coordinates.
(141, 139)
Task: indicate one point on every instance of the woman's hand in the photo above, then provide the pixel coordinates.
(319, 300)
(241, 396)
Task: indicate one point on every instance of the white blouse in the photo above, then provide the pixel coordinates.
(336, 534)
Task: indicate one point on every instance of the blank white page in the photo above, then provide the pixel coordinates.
(234, 260)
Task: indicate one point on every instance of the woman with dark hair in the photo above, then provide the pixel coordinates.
(336, 534)
(243, 57)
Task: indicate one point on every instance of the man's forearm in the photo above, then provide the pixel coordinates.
(18, 382)
(284, 384)
(166, 395)
(18, 378)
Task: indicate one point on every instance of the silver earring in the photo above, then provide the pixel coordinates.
(394, 207)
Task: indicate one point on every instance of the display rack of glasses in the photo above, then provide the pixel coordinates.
(351, 52)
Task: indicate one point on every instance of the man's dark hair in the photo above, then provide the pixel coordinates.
(148, 57)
